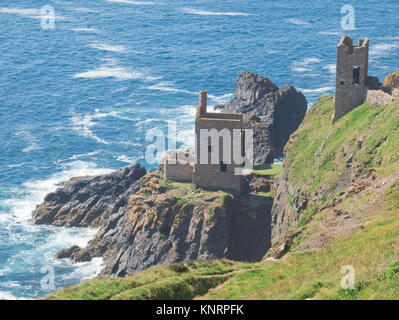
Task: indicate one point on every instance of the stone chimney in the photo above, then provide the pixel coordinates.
(203, 101)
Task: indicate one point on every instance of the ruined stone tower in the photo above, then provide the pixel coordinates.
(352, 75)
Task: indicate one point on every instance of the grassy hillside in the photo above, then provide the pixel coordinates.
(350, 221)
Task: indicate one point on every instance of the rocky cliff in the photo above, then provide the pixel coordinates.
(146, 221)
(327, 164)
(273, 113)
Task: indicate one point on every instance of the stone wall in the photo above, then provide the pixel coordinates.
(176, 167)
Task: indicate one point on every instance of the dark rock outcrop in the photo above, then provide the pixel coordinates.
(89, 201)
(392, 80)
(271, 112)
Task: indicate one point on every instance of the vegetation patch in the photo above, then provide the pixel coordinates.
(269, 169)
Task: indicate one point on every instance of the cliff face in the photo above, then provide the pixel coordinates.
(333, 175)
(271, 112)
(145, 221)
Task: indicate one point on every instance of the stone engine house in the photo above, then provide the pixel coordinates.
(190, 166)
(352, 75)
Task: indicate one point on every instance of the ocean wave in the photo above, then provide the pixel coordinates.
(213, 13)
(145, 121)
(132, 2)
(331, 68)
(83, 123)
(84, 270)
(298, 22)
(330, 33)
(383, 50)
(33, 147)
(111, 69)
(77, 156)
(34, 191)
(93, 30)
(388, 38)
(85, 10)
(30, 139)
(168, 87)
(4, 295)
(126, 159)
(42, 241)
(318, 90)
(15, 165)
(305, 65)
(108, 47)
(32, 13)
(221, 99)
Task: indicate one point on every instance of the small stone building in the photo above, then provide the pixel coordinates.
(213, 172)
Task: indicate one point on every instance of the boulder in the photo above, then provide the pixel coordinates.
(378, 98)
(273, 113)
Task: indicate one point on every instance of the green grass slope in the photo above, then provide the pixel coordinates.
(371, 219)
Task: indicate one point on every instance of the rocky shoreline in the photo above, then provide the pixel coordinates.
(149, 221)
(145, 221)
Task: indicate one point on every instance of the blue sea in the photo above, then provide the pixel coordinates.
(79, 98)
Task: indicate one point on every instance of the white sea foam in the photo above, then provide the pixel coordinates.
(383, 49)
(331, 68)
(4, 295)
(33, 191)
(77, 156)
(120, 89)
(32, 13)
(323, 89)
(15, 165)
(126, 159)
(305, 65)
(213, 13)
(221, 99)
(145, 121)
(30, 139)
(132, 2)
(168, 87)
(301, 69)
(108, 47)
(111, 69)
(83, 123)
(32, 147)
(298, 22)
(388, 38)
(84, 270)
(85, 10)
(92, 30)
(330, 33)
(47, 239)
